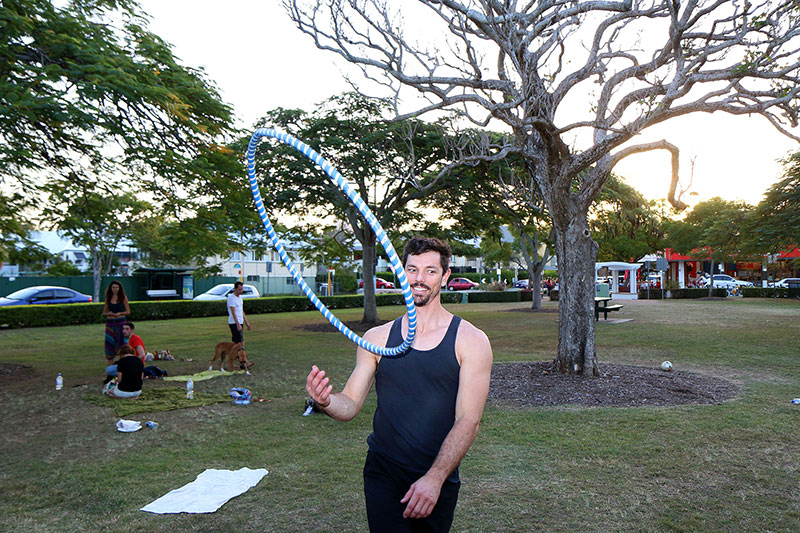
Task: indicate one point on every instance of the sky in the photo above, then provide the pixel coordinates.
(259, 61)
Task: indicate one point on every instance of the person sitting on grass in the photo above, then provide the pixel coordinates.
(130, 375)
(132, 340)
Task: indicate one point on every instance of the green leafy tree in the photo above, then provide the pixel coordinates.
(63, 268)
(775, 225)
(97, 219)
(88, 93)
(16, 247)
(624, 224)
(86, 86)
(491, 194)
(393, 166)
(714, 229)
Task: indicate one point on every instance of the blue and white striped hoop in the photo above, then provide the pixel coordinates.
(338, 179)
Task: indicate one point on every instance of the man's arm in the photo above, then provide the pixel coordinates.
(346, 405)
(476, 369)
(244, 317)
(140, 351)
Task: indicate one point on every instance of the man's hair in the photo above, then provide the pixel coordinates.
(421, 245)
(126, 350)
(238, 284)
(129, 324)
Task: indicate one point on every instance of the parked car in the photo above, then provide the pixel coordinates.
(729, 282)
(380, 283)
(461, 284)
(521, 284)
(784, 283)
(221, 292)
(44, 294)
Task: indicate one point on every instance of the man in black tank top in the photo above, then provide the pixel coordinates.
(430, 402)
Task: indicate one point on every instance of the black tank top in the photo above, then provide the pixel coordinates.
(416, 401)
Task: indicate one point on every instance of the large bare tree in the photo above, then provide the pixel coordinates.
(574, 82)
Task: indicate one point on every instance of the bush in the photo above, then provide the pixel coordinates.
(765, 292)
(504, 296)
(451, 297)
(655, 294)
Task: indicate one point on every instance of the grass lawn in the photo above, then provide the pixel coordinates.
(729, 467)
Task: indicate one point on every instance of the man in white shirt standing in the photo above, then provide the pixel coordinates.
(236, 317)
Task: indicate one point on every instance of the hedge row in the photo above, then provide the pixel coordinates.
(494, 296)
(655, 294)
(71, 314)
(765, 292)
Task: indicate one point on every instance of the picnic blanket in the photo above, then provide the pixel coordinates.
(204, 375)
(155, 401)
(208, 492)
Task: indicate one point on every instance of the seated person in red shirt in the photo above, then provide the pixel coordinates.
(133, 340)
(130, 375)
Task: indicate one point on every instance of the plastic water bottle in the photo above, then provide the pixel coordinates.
(190, 389)
(796, 401)
(151, 424)
(59, 382)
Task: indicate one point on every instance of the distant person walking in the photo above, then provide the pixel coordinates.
(236, 316)
(116, 309)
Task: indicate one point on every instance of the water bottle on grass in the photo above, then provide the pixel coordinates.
(190, 389)
(59, 382)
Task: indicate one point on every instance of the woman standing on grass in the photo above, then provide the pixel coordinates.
(115, 310)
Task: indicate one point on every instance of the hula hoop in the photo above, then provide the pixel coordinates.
(338, 179)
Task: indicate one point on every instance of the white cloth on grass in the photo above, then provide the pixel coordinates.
(128, 426)
(208, 492)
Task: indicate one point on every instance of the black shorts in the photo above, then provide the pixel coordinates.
(237, 335)
(385, 484)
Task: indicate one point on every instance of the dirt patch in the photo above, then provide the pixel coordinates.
(12, 372)
(537, 384)
(355, 325)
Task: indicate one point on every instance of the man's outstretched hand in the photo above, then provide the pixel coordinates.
(318, 388)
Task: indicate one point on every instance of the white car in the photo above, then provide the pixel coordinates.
(784, 283)
(221, 292)
(725, 281)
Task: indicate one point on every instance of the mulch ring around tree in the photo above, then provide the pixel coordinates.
(534, 384)
(326, 327)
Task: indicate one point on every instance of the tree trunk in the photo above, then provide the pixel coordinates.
(97, 274)
(576, 253)
(530, 252)
(711, 280)
(368, 265)
(535, 284)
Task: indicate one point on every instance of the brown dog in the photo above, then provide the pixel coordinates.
(230, 351)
